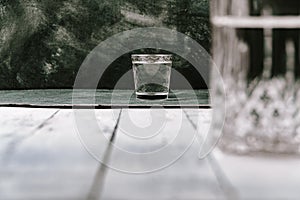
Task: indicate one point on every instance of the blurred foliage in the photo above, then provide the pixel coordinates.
(191, 17)
(43, 43)
(150, 7)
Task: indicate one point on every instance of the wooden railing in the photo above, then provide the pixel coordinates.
(284, 22)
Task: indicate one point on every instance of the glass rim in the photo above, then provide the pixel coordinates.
(151, 58)
(143, 55)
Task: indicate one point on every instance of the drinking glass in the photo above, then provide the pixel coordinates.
(152, 74)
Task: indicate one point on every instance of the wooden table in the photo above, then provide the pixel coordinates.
(41, 157)
(67, 98)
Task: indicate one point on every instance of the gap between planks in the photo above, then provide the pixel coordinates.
(12, 146)
(228, 189)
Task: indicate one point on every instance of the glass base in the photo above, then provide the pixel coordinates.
(151, 96)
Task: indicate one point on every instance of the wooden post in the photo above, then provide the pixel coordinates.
(232, 62)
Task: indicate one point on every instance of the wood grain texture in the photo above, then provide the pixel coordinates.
(65, 98)
(53, 163)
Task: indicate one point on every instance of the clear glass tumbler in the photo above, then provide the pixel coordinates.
(152, 74)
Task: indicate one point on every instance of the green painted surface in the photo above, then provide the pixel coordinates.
(64, 97)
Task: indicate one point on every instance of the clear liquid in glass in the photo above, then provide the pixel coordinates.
(152, 78)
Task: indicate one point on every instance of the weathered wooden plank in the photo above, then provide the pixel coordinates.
(267, 176)
(21, 121)
(18, 125)
(201, 121)
(187, 178)
(53, 164)
(103, 99)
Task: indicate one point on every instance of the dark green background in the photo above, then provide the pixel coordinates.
(44, 42)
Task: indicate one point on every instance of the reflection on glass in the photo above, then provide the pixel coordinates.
(152, 75)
